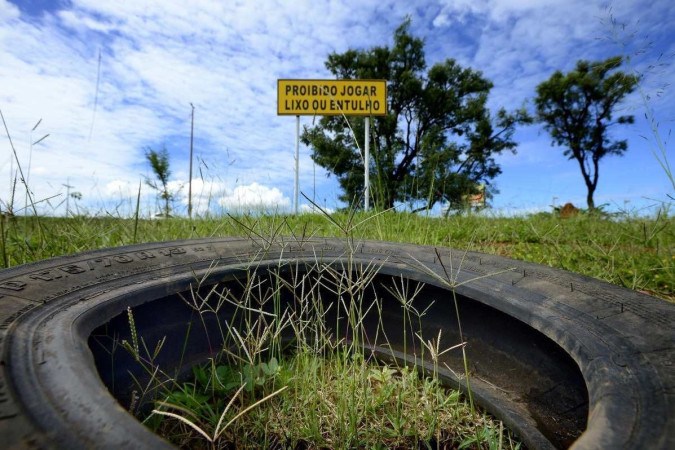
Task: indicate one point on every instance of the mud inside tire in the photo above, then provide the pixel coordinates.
(562, 359)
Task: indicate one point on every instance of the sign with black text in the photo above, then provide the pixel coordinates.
(332, 97)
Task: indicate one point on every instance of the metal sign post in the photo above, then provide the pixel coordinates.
(366, 166)
(192, 134)
(297, 162)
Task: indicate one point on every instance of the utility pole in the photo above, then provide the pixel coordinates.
(297, 163)
(68, 188)
(366, 164)
(192, 132)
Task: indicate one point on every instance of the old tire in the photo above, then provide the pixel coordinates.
(563, 359)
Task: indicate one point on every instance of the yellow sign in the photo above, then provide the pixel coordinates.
(332, 97)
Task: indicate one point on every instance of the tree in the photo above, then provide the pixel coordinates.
(577, 110)
(159, 162)
(438, 140)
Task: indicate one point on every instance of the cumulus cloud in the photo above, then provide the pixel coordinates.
(122, 188)
(311, 209)
(8, 11)
(254, 196)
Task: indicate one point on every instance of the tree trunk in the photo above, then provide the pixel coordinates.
(589, 199)
(591, 183)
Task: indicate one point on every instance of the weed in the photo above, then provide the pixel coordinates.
(299, 364)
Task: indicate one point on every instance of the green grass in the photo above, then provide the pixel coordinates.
(291, 375)
(634, 252)
(342, 401)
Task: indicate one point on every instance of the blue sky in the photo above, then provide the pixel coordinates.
(159, 56)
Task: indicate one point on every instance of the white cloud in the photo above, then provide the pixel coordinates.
(456, 11)
(80, 22)
(254, 196)
(121, 188)
(8, 11)
(311, 209)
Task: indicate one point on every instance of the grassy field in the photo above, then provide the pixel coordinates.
(637, 253)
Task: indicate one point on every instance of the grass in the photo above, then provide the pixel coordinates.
(293, 372)
(635, 252)
(337, 402)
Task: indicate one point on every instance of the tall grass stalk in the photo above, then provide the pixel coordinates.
(660, 153)
(23, 178)
(136, 213)
(294, 366)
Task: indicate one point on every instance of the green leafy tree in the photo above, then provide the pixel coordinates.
(577, 110)
(159, 163)
(438, 140)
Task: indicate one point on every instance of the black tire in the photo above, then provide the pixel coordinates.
(561, 358)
